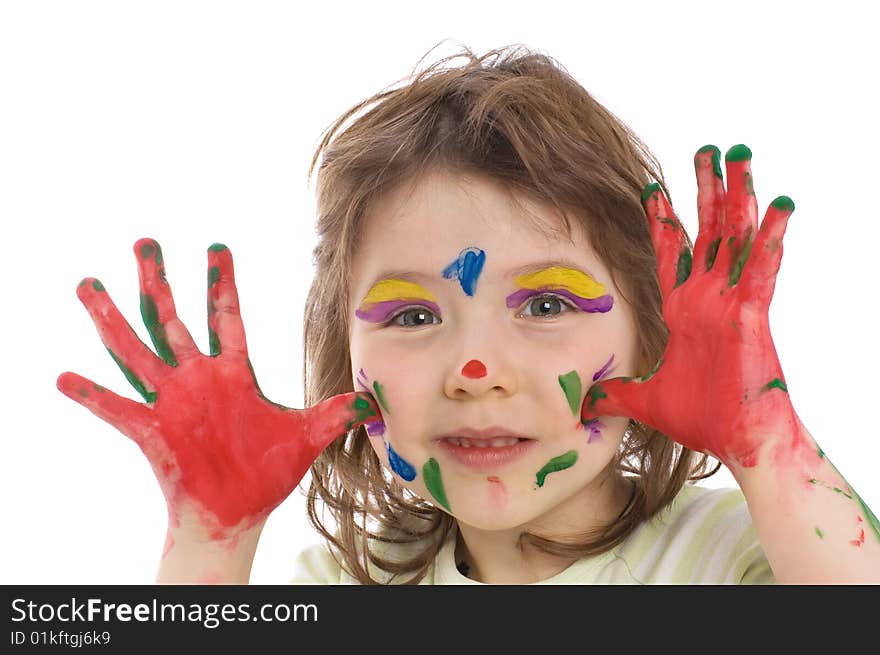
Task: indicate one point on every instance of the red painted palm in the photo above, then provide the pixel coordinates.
(719, 387)
(223, 454)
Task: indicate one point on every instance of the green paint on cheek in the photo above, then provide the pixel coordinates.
(380, 396)
(595, 393)
(434, 483)
(819, 532)
(97, 286)
(150, 314)
(556, 464)
(213, 275)
(571, 385)
(133, 380)
(775, 383)
(712, 252)
(685, 263)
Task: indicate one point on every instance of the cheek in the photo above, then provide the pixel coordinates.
(401, 388)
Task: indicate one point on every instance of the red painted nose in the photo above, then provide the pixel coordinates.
(474, 369)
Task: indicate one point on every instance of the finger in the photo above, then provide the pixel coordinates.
(758, 278)
(616, 397)
(740, 214)
(168, 333)
(335, 416)
(132, 419)
(225, 327)
(138, 363)
(710, 206)
(669, 238)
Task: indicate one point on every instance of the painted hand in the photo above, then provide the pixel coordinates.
(224, 455)
(719, 387)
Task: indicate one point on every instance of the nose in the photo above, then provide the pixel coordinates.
(479, 377)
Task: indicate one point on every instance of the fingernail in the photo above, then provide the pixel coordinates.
(716, 159)
(650, 190)
(738, 153)
(783, 203)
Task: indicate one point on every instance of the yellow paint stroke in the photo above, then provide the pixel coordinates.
(557, 277)
(396, 290)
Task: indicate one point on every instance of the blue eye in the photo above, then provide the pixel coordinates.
(415, 317)
(547, 305)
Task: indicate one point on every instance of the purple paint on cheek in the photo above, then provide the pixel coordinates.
(382, 312)
(374, 428)
(593, 426)
(601, 304)
(598, 374)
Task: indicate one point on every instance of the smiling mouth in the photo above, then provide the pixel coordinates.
(495, 442)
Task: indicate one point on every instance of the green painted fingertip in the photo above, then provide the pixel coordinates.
(738, 152)
(649, 190)
(147, 250)
(97, 286)
(716, 159)
(783, 203)
(83, 282)
(217, 247)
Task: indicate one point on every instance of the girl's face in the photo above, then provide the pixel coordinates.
(479, 334)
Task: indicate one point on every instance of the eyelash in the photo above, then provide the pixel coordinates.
(564, 301)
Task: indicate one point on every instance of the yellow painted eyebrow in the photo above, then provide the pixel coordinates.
(575, 281)
(385, 290)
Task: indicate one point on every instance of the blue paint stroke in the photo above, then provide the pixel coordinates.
(466, 269)
(399, 465)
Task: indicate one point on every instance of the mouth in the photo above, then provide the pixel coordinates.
(485, 450)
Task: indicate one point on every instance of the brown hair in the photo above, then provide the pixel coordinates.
(519, 117)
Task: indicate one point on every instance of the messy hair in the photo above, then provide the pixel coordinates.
(518, 117)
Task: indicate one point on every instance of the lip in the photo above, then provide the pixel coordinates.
(485, 459)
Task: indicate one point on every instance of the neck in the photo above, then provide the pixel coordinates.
(501, 557)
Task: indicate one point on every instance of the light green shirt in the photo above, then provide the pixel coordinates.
(705, 536)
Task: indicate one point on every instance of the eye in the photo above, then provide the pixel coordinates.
(415, 317)
(547, 305)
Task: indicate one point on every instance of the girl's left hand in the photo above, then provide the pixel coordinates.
(719, 387)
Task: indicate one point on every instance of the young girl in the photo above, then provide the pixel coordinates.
(516, 364)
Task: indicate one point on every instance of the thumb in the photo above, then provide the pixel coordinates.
(337, 415)
(616, 397)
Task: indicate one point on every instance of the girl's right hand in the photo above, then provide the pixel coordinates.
(224, 455)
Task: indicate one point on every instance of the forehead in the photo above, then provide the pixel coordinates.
(430, 219)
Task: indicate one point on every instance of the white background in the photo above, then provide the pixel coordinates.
(195, 122)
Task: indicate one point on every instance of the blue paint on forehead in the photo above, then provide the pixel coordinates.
(466, 269)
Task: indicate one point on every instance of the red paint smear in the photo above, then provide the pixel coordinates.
(710, 392)
(224, 455)
(474, 369)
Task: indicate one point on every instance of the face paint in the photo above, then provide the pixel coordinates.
(466, 269)
(385, 298)
(399, 465)
(578, 287)
(592, 426)
(560, 463)
(474, 369)
(571, 385)
(434, 483)
(858, 541)
(373, 428)
(604, 370)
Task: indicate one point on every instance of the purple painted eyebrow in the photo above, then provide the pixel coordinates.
(600, 304)
(383, 311)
